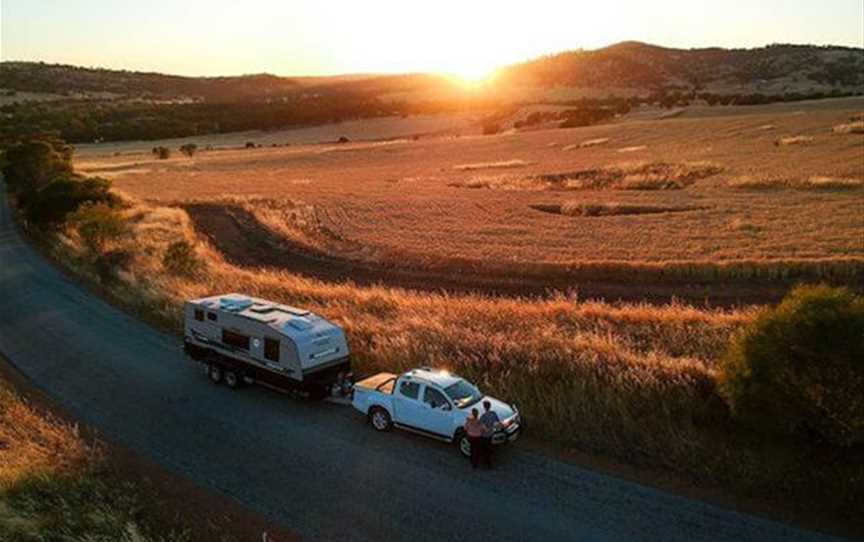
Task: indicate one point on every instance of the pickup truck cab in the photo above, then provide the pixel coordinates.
(432, 403)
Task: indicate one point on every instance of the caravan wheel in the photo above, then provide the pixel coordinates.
(232, 380)
(215, 374)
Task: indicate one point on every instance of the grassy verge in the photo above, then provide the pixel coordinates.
(59, 482)
(636, 383)
(55, 484)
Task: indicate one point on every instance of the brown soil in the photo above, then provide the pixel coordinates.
(245, 242)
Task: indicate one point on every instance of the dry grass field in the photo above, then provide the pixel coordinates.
(708, 197)
(53, 481)
(382, 128)
(759, 193)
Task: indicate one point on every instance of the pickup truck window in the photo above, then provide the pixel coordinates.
(434, 398)
(409, 389)
(463, 393)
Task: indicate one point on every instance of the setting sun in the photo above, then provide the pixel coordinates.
(472, 77)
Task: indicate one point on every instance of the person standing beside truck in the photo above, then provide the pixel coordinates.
(490, 421)
(475, 430)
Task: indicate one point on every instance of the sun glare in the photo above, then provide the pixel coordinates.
(472, 76)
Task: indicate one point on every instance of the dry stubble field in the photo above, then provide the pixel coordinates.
(636, 382)
(739, 196)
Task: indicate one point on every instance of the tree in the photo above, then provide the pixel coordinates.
(798, 368)
(98, 223)
(189, 149)
(32, 164)
(162, 153)
(51, 206)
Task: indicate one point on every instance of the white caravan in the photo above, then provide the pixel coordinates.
(242, 339)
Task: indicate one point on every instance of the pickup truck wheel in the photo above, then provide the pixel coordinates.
(463, 444)
(380, 419)
(215, 374)
(231, 380)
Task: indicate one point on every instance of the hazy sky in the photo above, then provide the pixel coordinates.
(292, 37)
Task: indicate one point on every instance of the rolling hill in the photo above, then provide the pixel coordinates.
(636, 66)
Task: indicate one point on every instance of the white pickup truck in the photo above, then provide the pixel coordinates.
(432, 403)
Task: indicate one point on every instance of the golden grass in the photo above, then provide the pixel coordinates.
(633, 381)
(53, 482)
(856, 127)
(813, 183)
(587, 342)
(795, 140)
(504, 164)
(358, 210)
(626, 176)
(583, 209)
(634, 148)
(34, 442)
(588, 144)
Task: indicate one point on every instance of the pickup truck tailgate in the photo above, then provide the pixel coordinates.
(373, 390)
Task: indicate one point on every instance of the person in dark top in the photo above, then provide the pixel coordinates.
(491, 422)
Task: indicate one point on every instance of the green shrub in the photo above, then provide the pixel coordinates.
(109, 263)
(162, 153)
(799, 367)
(97, 224)
(32, 164)
(180, 259)
(52, 205)
(189, 149)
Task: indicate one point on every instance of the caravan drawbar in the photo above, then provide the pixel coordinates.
(242, 339)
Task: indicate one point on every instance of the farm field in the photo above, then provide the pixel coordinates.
(339, 229)
(778, 193)
(368, 129)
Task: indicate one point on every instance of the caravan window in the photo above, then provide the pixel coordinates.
(271, 349)
(211, 316)
(199, 315)
(235, 339)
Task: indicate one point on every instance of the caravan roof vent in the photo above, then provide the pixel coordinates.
(299, 323)
(234, 304)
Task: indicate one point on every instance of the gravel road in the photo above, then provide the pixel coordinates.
(314, 468)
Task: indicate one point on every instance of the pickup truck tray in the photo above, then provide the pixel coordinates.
(374, 382)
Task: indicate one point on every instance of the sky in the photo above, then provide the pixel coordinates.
(463, 37)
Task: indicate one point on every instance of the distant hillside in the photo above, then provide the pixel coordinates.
(776, 68)
(62, 79)
(639, 67)
(87, 104)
